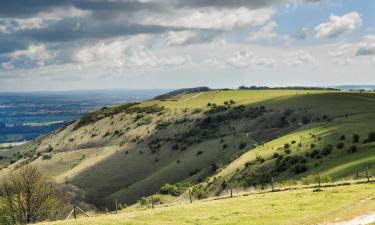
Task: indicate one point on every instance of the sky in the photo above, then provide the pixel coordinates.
(170, 44)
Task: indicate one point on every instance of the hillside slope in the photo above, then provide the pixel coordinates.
(130, 151)
(334, 205)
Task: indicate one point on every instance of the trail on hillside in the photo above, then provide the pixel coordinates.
(361, 220)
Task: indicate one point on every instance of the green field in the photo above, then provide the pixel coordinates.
(334, 204)
(129, 152)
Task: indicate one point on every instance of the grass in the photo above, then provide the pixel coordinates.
(304, 206)
(113, 167)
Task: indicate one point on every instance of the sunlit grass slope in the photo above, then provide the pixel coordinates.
(289, 207)
(127, 152)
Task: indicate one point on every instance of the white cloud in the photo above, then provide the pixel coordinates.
(210, 18)
(343, 55)
(245, 58)
(367, 46)
(213, 63)
(7, 65)
(265, 33)
(179, 38)
(127, 53)
(299, 58)
(36, 54)
(337, 25)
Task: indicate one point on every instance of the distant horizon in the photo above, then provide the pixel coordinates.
(170, 89)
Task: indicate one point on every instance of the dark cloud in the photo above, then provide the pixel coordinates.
(228, 4)
(26, 8)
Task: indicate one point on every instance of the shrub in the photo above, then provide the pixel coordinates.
(340, 145)
(287, 151)
(286, 145)
(242, 145)
(232, 102)
(293, 142)
(327, 150)
(275, 155)
(175, 147)
(352, 149)
(299, 168)
(225, 146)
(170, 189)
(312, 145)
(356, 138)
(370, 137)
(47, 157)
(199, 152)
(342, 137)
(313, 179)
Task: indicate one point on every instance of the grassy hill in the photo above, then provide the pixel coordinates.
(330, 206)
(206, 138)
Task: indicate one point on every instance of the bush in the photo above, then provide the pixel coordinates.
(242, 145)
(275, 155)
(299, 168)
(47, 157)
(342, 137)
(225, 146)
(313, 179)
(199, 152)
(340, 146)
(175, 147)
(286, 145)
(356, 138)
(287, 151)
(170, 189)
(327, 150)
(370, 137)
(352, 149)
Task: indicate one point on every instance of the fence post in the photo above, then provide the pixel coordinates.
(191, 200)
(152, 201)
(116, 205)
(367, 175)
(272, 184)
(231, 190)
(74, 211)
(319, 179)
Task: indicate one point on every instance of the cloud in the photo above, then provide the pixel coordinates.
(265, 33)
(125, 53)
(33, 55)
(210, 18)
(367, 46)
(7, 66)
(303, 33)
(337, 25)
(342, 56)
(299, 58)
(188, 37)
(245, 58)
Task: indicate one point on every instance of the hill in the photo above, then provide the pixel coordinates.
(205, 138)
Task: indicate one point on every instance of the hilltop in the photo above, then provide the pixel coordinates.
(206, 139)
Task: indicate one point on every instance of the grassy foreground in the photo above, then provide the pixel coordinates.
(304, 206)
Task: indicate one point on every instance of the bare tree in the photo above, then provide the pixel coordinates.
(26, 197)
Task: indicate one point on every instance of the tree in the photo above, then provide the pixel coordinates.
(26, 197)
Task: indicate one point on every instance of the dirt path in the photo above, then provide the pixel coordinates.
(361, 220)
